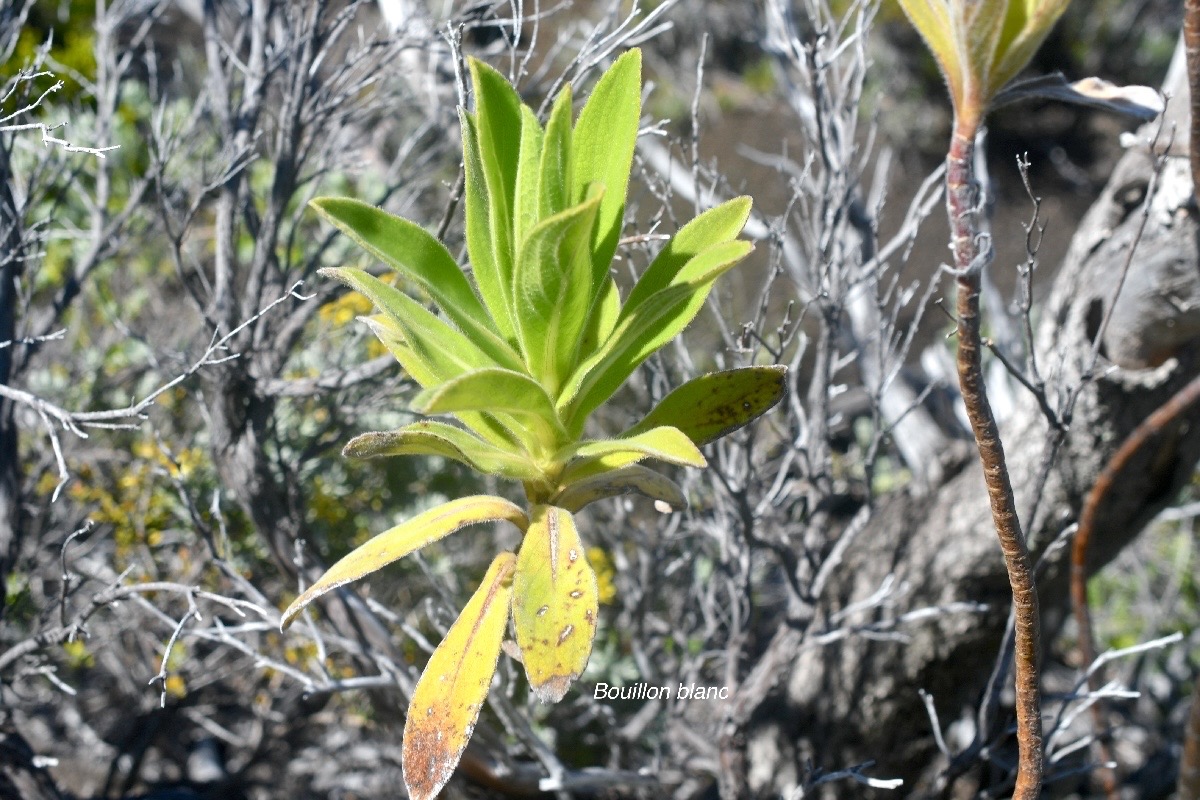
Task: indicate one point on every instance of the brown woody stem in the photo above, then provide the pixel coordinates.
(1151, 426)
(1191, 44)
(1164, 415)
(1189, 765)
(962, 207)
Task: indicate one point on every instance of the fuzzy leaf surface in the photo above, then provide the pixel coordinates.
(1026, 26)
(413, 252)
(498, 129)
(483, 424)
(715, 226)
(445, 351)
(664, 443)
(602, 150)
(447, 699)
(392, 336)
(528, 177)
(633, 478)
(495, 391)
(640, 332)
(931, 18)
(554, 289)
(480, 245)
(598, 456)
(433, 438)
(710, 406)
(405, 538)
(555, 173)
(555, 603)
(602, 317)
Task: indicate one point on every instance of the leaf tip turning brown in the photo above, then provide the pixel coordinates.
(427, 764)
(553, 688)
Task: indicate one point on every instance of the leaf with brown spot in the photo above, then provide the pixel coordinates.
(405, 538)
(555, 602)
(710, 406)
(446, 702)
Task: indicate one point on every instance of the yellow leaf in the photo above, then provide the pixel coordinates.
(451, 691)
(405, 538)
(555, 600)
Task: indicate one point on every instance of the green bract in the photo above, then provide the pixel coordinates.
(519, 357)
(981, 45)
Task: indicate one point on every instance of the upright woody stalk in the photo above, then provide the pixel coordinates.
(980, 46)
(962, 202)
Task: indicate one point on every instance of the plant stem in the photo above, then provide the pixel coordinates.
(1162, 418)
(1189, 765)
(962, 208)
(1191, 44)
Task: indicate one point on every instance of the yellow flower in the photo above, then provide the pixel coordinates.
(605, 572)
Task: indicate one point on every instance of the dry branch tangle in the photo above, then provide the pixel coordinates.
(857, 699)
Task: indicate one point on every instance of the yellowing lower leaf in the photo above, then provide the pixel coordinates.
(446, 702)
(405, 538)
(555, 601)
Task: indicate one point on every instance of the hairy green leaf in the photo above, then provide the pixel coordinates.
(413, 252)
(528, 178)
(931, 18)
(710, 406)
(623, 480)
(498, 126)
(430, 437)
(485, 425)
(602, 150)
(649, 326)
(602, 317)
(497, 391)
(555, 172)
(981, 45)
(715, 226)
(553, 290)
(392, 336)
(446, 351)
(1029, 23)
(479, 222)
(597, 378)
(595, 456)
